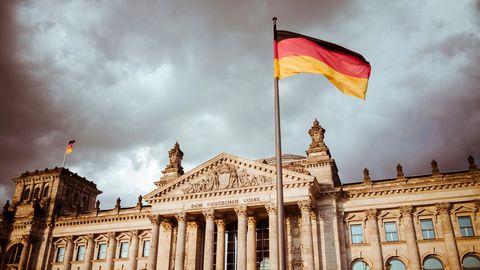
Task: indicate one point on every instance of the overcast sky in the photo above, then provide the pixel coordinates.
(127, 79)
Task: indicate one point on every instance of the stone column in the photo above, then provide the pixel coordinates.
(112, 247)
(315, 236)
(242, 237)
(152, 256)
(307, 241)
(209, 237)
(22, 265)
(87, 263)
(443, 210)
(191, 260)
(181, 233)
(132, 257)
(165, 244)
(68, 254)
(251, 244)
(410, 236)
(373, 238)
(288, 247)
(220, 260)
(272, 235)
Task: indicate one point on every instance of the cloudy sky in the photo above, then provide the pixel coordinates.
(127, 79)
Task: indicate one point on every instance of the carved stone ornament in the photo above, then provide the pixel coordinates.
(366, 176)
(371, 213)
(175, 156)
(220, 222)
(134, 234)
(167, 224)
(435, 169)
(471, 163)
(226, 176)
(316, 133)
(406, 210)
(155, 219)
(443, 208)
(305, 205)
(181, 217)
(241, 211)
(89, 236)
(252, 220)
(209, 214)
(400, 171)
(271, 208)
(111, 235)
(192, 224)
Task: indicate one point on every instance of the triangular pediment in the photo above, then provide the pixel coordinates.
(223, 173)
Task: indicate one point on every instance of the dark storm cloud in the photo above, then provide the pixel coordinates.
(128, 80)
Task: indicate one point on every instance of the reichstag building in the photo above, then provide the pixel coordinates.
(222, 215)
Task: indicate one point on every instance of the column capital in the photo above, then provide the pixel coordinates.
(68, 239)
(305, 205)
(443, 208)
(271, 208)
(111, 235)
(406, 210)
(220, 222)
(181, 217)
(25, 239)
(371, 214)
(167, 224)
(134, 234)
(155, 219)
(313, 215)
(241, 211)
(209, 214)
(89, 236)
(251, 220)
(192, 224)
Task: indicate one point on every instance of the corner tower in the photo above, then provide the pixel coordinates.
(174, 169)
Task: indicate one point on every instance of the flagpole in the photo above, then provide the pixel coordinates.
(278, 149)
(65, 157)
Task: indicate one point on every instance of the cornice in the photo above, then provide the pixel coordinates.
(97, 219)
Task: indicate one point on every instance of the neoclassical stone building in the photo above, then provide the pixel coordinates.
(222, 215)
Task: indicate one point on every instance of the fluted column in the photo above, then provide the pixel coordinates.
(87, 263)
(272, 235)
(112, 246)
(242, 237)
(448, 235)
(22, 265)
(410, 236)
(373, 238)
(315, 236)
(165, 242)
(220, 260)
(251, 243)
(288, 228)
(68, 254)
(209, 236)
(133, 250)
(181, 236)
(152, 256)
(307, 241)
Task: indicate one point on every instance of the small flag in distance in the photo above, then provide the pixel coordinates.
(70, 146)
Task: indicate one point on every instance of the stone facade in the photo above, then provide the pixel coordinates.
(222, 215)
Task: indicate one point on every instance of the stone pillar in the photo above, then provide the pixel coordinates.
(220, 260)
(288, 247)
(443, 210)
(315, 236)
(165, 244)
(22, 265)
(112, 247)
(132, 257)
(373, 238)
(181, 233)
(251, 244)
(242, 237)
(272, 235)
(87, 263)
(410, 237)
(152, 256)
(68, 254)
(307, 241)
(209, 237)
(191, 260)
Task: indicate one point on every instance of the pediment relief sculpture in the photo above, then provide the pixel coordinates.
(226, 176)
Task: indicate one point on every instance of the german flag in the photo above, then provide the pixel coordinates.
(295, 53)
(70, 146)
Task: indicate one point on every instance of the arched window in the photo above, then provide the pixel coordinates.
(14, 253)
(432, 263)
(395, 264)
(360, 265)
(471, 262)
(26, 192)
(45, 192)
(36, 192)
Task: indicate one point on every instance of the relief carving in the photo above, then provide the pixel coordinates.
(226, 176)
(371, 213)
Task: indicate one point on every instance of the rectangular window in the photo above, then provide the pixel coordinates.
(123, 250)
(356, 233)
(146, 248)
(466, 228)
(80, 253)
(60, 254)
(391, 231)
(427, 229)
(102, 251)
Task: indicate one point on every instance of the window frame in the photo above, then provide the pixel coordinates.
(143, 247)
(99, 249)
(387, 233)
(80, 251)
(428, 230)
(467, 227)
(121, 254)
(57, 253)
(353, 236)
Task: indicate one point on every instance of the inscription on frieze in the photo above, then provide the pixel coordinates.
(221, 203)
(226, 176)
